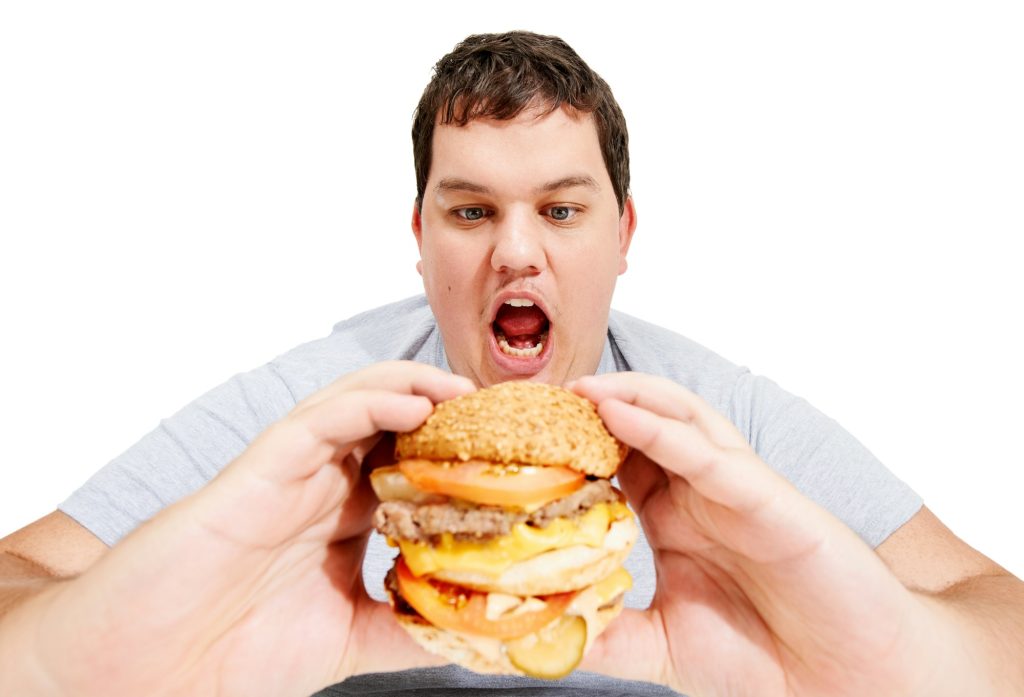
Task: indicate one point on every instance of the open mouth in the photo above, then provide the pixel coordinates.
(521, 328)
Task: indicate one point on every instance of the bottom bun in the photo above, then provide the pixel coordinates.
(488, 655)
(478, 654)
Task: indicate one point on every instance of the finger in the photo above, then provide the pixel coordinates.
(354, 517)
(377, 643)
(735, 478)
(297, 446)
(374, 452)
(631, 648)
(660, 500)
(639, 478)
(663, 397)
(740, 503)
(383, 646)
(352, 416)
(407, 377)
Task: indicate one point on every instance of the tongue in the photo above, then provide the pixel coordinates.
(516, 322)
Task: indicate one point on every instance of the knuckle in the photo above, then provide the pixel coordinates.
(293, 427)
(652, 440)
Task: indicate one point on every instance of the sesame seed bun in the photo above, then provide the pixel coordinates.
(519, 422)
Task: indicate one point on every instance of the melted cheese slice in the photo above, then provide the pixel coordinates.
(588, 602)
(613, 585)
(524, 541)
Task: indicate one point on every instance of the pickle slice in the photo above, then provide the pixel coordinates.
(552, 652)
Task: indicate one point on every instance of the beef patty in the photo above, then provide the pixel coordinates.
(403, 520)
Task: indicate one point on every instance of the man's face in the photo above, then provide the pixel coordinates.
(521, 242)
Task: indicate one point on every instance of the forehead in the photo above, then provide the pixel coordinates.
(518, 153)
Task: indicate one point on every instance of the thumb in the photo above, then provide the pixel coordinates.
(632, 647)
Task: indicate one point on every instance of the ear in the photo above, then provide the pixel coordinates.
(627, 225)
(417, 232)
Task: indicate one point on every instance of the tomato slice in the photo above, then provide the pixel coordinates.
(462, 610)
(486, 482)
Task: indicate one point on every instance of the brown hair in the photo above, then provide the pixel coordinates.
(497, 76)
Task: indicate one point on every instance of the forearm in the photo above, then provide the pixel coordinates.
(20, 580)
(985, 616)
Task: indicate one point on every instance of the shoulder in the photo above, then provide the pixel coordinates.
(388, 331)
(649, 348)
(811, 450)
(403, 330)
(752, 402)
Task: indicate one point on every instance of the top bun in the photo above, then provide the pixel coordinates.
(518, 422)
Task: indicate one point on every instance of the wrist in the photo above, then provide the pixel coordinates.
(953, 650)
(24, 666)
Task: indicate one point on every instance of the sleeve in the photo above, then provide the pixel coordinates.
(821, 459)
(180, 455)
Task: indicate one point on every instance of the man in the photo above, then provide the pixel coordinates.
(245, 577)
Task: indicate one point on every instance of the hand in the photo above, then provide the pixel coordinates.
(253, 585)
(760, 591)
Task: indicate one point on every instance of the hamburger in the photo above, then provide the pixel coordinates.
(511, 537)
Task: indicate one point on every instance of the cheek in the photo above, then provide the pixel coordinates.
(591, 282)
(448, 273)
(437, 261)
(595, 297)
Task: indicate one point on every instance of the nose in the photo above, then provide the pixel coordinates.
(518, 245)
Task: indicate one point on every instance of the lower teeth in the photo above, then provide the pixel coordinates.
(520, 352)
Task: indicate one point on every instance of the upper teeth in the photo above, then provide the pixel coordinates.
(519, 302)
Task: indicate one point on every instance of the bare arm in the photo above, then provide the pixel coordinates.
(52, 548)
(37, 558)
(981, 600)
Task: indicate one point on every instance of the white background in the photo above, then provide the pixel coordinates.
(829, 194)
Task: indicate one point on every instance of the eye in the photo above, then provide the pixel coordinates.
(470, 214)
(563, 213)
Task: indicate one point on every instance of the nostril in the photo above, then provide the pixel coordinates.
(518, 250)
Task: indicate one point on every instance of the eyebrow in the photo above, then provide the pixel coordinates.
(456, 184)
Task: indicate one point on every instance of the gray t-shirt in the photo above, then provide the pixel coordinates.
(186, 450)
